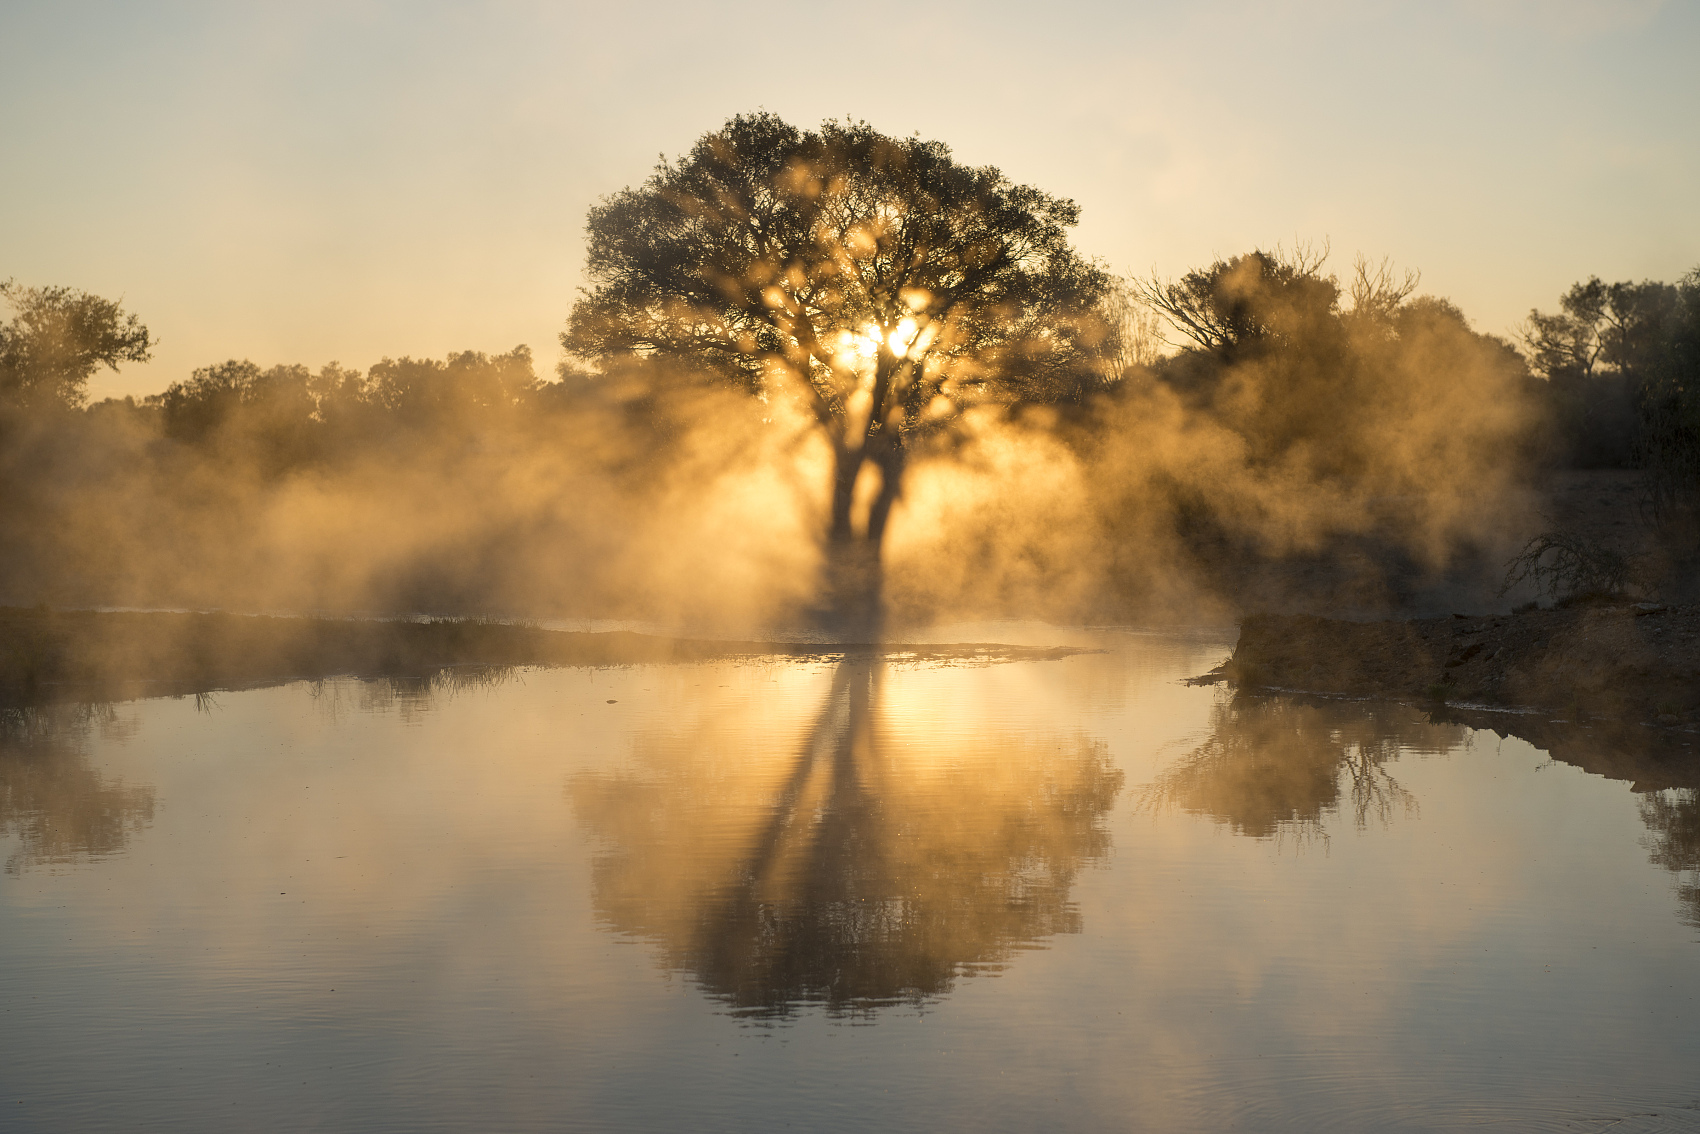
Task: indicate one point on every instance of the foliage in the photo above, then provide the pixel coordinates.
(468, 383)
(57, 338)
(1669, 443)
(771, 251)
(1239, 305)
(1393, 392)
(1597, 354)
(1618, 327)
(1570, 566)
(291, 415)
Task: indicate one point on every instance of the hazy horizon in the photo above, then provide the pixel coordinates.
(326, 184)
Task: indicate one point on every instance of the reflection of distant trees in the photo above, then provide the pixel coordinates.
(1274, 764)
(408, 697)
(858, 871)
(58, 807)
(1673, 819)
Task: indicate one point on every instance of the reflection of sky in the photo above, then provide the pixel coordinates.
(1506, 951)
(314, 181)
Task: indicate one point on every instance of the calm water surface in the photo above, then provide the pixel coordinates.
(1069, 894)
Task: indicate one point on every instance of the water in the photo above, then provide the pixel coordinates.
(1069, 894)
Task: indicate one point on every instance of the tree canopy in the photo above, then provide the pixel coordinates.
(771, 252)
(57, 338)
(1618, 327)
(1260, 299)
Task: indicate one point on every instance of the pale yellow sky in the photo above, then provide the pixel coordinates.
(314, 182)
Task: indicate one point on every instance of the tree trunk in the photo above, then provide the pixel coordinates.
(855, 583)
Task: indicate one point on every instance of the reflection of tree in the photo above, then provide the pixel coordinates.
(1274, 765)
(58, 807)
(1673, 817)
(857, 871)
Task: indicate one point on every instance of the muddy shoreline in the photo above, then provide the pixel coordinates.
(55, 655)
(1637, 662)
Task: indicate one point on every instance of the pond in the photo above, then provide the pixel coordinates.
(1059, 892)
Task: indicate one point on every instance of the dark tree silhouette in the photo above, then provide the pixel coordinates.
(1262, 298)
(1618, 327)
(876, 279)
(1602, 353)
(56, 339)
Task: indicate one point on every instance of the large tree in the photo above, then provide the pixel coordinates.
(883, 284)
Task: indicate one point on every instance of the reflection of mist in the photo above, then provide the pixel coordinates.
(1673, 818)
(59, 808)
(1275, 765)
(857, 872)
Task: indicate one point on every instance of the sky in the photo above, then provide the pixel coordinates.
(309, 182)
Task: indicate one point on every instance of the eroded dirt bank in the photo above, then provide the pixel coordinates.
(1629, 663)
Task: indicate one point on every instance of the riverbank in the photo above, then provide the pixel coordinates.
(1623, 662)
(48, 655)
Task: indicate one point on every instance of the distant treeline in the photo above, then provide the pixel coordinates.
(1622, 364)
(1611, 377)
(1287, 405)
(1268, 344)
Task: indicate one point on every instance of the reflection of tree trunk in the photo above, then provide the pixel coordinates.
(872, 874)
(800, 921)
(827, 731)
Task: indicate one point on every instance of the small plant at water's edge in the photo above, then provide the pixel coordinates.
(1570, 567)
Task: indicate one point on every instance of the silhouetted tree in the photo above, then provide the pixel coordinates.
(1236, 306)
(1135, 340)
(1669, 441)
(876, 279)
(267, 419)
(56, 339)
(211, 395)
(282, 417)
(1613, 327)
(1597, 353)
(1338, 390)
